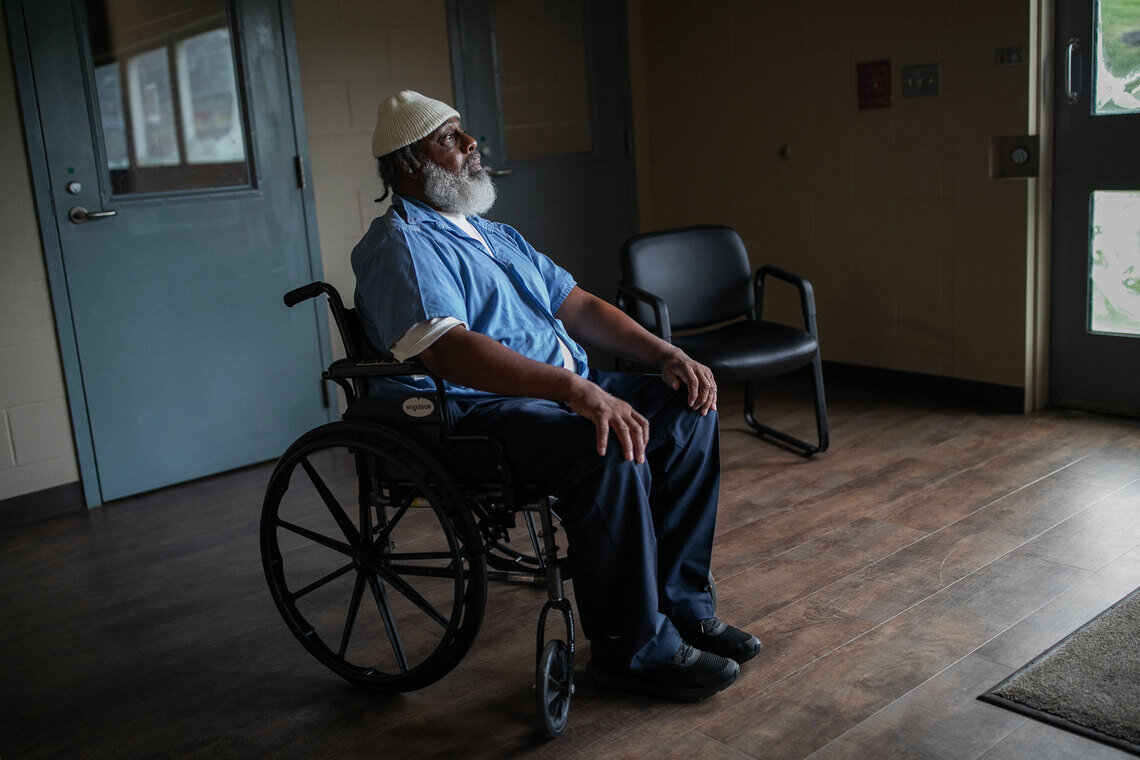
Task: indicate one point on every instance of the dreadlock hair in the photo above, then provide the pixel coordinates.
(400, 161)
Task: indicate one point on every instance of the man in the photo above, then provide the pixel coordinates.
(633, 459)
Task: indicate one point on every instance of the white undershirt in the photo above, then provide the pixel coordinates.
(421, 335)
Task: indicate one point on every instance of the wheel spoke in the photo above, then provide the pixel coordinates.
(353, 609)
(552, 702)
(389, 622)
(337, 512)
(383, 533)
(319, 538)
(414, 597)
(321, 581)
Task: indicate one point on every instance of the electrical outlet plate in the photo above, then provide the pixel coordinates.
(920, 81)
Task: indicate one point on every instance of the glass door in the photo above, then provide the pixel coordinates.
(1095, 333)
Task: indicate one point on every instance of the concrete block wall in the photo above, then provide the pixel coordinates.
(352, 55)
(36, 445)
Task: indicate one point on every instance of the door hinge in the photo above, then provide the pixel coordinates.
(299, 164)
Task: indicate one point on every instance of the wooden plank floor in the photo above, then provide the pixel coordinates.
(930, 553)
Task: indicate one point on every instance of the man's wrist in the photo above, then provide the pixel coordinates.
(669, 352)
(574, 384)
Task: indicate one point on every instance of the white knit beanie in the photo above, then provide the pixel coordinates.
(405, 118)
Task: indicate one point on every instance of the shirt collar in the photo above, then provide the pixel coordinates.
(416, 212)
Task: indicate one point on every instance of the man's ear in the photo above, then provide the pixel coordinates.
(405, 168)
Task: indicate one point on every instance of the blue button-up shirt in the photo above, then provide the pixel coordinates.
(413, 265)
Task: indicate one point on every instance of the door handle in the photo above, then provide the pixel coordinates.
(79, 215)
(1072, 92)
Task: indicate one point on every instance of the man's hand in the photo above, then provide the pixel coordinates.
(678, 369)
(591, 320)
(611, 414)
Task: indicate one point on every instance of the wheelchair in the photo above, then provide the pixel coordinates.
(379, 534)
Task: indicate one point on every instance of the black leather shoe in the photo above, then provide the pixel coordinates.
(689, 676)
(718, 637)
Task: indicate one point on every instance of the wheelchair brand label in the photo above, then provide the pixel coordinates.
(418, 406)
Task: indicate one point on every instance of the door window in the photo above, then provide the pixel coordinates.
(1117, 63)
(169, 104)
(541, 50)
(1114, 263)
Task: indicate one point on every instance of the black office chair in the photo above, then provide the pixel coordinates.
(698, 281)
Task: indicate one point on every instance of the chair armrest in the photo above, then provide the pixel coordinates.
(807, 294)
(660, 310)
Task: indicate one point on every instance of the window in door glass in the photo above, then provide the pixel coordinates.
(107, 81)
(1117, 65)
(151, 104)
(169, 102)
(541, 48)
(1114, 263)
(211, 116)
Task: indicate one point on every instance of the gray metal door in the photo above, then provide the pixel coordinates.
(544, 87)
(1095, 332)
(165, 157)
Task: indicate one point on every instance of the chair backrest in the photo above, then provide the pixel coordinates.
(702, 273)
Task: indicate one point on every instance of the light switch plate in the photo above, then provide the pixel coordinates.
(920, 81)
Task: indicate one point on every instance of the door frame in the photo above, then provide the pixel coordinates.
(1040, 228)
(53, 247)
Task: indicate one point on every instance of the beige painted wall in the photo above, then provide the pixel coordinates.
(919, 260)
(36, 449)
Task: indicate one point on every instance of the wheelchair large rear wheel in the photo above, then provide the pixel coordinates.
(371, 556)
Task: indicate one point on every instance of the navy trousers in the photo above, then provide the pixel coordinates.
(640, 535)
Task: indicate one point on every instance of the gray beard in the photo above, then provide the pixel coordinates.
(462, 193)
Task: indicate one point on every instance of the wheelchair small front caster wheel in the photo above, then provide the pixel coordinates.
(554, 686)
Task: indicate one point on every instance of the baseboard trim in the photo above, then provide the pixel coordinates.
(988, 396)
(42, 505)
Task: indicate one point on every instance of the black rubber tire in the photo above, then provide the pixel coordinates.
(372, 557)
(554, 686)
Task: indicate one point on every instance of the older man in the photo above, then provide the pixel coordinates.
(633, 459)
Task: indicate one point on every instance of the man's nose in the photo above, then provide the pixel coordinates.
(472, 143)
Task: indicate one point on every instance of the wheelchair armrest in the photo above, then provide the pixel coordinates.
(343, 370)
(351, 368)
(662, 327)
(807, 294)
